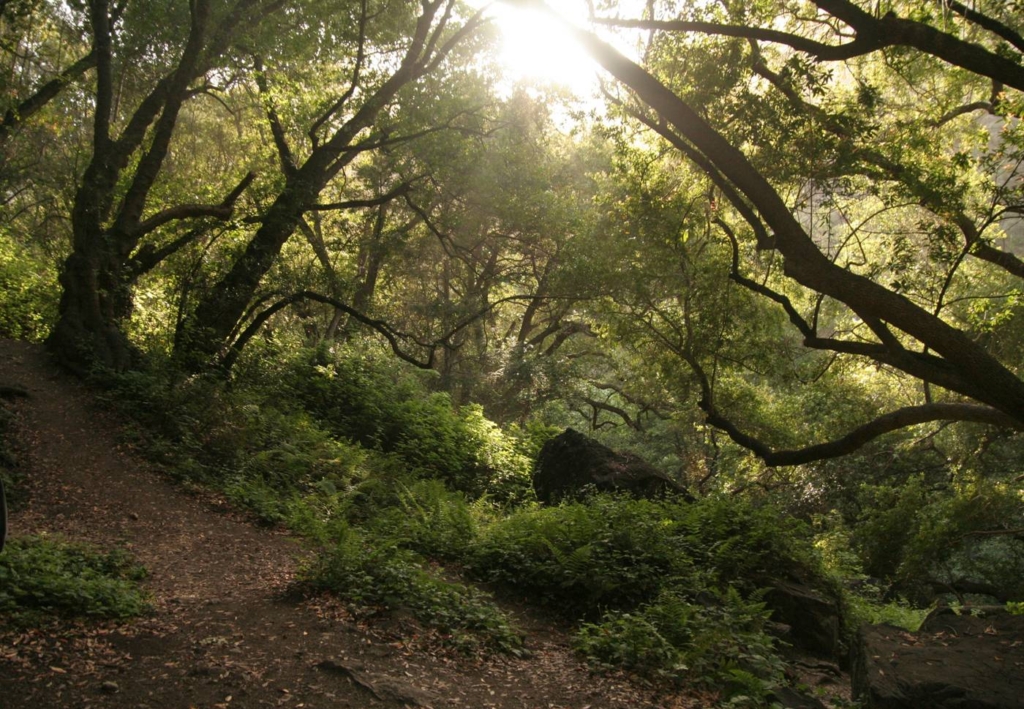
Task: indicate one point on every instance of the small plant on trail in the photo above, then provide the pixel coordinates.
(42, 577)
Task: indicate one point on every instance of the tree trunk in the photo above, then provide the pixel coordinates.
(94, 300)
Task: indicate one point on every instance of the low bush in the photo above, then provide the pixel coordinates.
(28, 292)
(718, 640)
(362, 397)
(42, 577)
(10, 472)
(430, 520)
(378, 573)
(616, 552)
(669, 589)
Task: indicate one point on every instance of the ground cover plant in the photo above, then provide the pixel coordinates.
(43, 578)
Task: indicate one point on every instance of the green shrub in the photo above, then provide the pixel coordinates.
(380, 574)
(630, 641)
(718, 640)
(28, 292)
(359, 396)
(41, 577)
(10, 472)
(430, 520)
(616, 552)
(916, 536)
(608, 553)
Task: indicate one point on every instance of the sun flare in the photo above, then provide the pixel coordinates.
(536, 48)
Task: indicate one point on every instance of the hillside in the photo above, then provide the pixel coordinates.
(224, 630)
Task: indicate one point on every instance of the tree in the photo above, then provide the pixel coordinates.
(129, 148)
(385, 61)
(772, 119)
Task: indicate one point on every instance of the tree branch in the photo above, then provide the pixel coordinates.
(819, 50)
(284, 153)
(44, 94)
(222, 211)
(399, 191)
(862, 435)
(604, 406)
(794, 316)
(990, 23)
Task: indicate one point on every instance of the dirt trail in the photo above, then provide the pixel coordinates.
(223, 633)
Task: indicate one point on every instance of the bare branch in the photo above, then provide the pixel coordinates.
(223, 210)
(284, 152)
(794, 316)
(598, 406)
(990, 23)
(394, 337)
(824, 52)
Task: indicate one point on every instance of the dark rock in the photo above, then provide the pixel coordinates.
(952, 662)
(813, 616)
(571, 464)
(790, 698)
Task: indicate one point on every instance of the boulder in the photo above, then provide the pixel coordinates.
(571, 464)
(953, 662)
(813, 616)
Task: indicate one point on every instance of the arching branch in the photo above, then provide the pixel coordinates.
(819, 50)
(872, 33)
(965, 361)
(989, 23)
(862, 435)
(395, 338)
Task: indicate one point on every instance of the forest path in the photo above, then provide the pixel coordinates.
(223, 633)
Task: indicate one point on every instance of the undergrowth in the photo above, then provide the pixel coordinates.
(43, 577)
(386, 480)
(374, 572)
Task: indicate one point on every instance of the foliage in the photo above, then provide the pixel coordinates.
(858, 253)
(10, 471)
(378, 573)
(42, 577)
(430, 520)
(359, 396)
(718, 640)
(617, 552)
(960, 536)
(28, 295)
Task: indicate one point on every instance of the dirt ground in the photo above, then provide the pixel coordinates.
(224, 632)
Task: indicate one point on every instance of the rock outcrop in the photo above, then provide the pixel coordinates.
(571, 464)
(953, 662)
(812, 616)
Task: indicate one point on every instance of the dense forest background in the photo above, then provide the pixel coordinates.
(336, 262)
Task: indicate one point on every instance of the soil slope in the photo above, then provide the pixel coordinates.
(224, 632)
